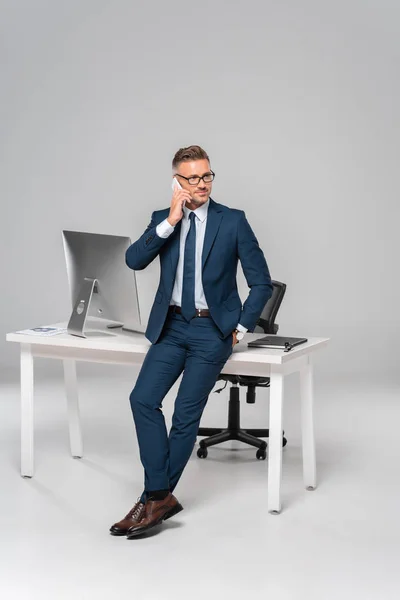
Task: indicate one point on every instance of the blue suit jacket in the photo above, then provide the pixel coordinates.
(228, 237)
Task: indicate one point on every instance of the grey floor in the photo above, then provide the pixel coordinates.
(341, 541)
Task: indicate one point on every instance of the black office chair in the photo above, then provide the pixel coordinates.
(266, 324)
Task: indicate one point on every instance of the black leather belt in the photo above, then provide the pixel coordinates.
(200, 312)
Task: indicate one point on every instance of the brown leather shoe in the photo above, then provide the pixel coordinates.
(132, 518)
(155, 512)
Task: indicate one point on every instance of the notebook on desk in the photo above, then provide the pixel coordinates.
(278, 342)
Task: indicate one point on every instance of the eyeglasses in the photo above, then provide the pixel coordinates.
(207, 178)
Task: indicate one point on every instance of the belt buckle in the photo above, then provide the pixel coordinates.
(198, 310)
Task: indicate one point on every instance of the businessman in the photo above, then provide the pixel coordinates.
(196, 319)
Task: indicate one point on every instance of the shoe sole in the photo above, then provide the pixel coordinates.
(118, 532)
(171, 513)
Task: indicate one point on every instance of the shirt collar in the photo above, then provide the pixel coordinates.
(200, 212)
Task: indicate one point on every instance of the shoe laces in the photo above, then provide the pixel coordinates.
(136, 510)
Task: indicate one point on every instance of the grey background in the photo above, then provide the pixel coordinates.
(297, 104)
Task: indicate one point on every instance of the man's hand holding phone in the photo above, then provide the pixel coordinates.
(179, 197)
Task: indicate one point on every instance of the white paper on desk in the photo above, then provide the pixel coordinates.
(43, 331)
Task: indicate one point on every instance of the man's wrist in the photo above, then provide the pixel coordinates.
(171, 222)
(239, 334)
(164, 229)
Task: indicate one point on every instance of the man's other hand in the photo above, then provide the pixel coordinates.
(234, 339)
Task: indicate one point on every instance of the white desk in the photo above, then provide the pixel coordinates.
(119, 347)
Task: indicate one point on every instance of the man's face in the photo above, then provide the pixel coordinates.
(201, 191)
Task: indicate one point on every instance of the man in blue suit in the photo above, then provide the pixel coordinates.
(196, 320)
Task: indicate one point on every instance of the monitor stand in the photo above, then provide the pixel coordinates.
(76, 324)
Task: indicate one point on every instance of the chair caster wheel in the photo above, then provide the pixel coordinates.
(202, 452)
(261, 454)
(284, 442)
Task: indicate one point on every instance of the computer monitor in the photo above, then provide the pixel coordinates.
(101, 285)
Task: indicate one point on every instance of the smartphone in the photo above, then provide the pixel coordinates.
(175, 183)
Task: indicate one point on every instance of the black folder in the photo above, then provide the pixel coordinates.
(276, 341)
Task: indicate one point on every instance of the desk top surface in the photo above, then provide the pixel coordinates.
(109, 340)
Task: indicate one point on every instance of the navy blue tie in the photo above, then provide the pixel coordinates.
(189, 271)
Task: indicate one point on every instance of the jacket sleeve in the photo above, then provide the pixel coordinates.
(142, 252)
(256, 272)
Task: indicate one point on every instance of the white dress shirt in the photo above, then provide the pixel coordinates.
(164, 230)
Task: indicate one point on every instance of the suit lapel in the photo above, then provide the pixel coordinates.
(214, 218)
(174, 249)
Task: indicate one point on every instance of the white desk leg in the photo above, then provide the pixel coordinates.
(307, 426)
(275, 442)
(26, 411)
(71, 388)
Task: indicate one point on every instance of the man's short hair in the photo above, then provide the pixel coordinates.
(188, 154)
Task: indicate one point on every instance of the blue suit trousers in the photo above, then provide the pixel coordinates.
(197, 349)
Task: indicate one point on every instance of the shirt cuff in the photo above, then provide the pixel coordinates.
(164, 229)
(240, 327)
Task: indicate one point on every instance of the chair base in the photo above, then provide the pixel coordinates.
(229, 434)
(233, 431)
(211, 431)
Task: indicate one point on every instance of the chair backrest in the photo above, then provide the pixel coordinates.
(266, 322)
